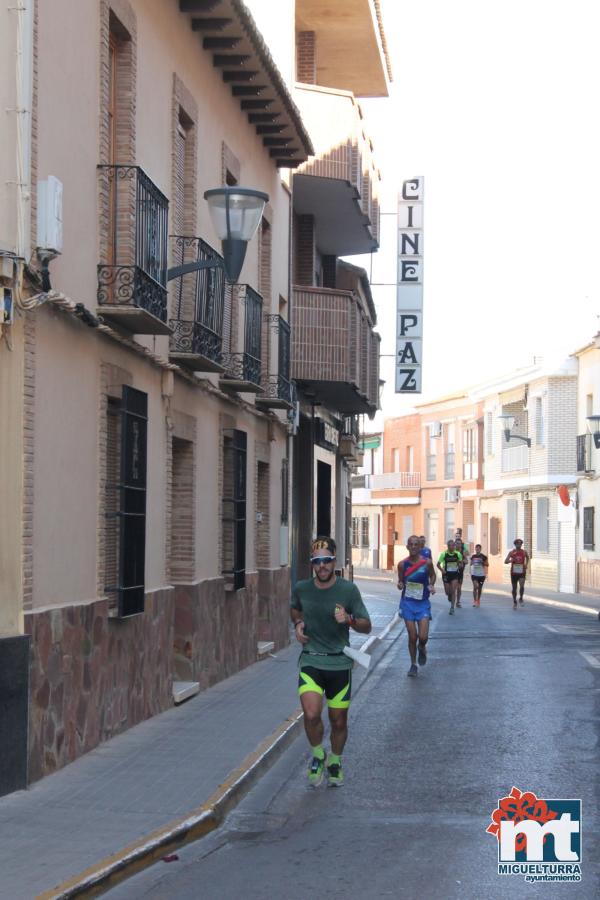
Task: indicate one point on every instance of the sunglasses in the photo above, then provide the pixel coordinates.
(322, 560)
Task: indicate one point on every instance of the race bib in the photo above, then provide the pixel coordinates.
(413, 590)
(517, 569)
(452, 567)
(477, 570)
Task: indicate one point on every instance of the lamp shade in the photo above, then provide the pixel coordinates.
(235, 212)
(593, 424)
(508, 422)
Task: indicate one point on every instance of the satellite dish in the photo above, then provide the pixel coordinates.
(563, 493)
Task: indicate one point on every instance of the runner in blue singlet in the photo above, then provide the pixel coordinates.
(416, 579)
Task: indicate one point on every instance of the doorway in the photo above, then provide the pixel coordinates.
(391, 538)
(323, 498)
(432, 531)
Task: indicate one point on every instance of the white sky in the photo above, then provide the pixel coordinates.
(496, 105)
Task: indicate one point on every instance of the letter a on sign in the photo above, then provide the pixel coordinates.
(409, 294)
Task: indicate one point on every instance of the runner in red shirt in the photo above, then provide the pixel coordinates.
(519, 560)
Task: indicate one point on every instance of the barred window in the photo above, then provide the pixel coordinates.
(364, 531)
(355, 531)
(588, 528)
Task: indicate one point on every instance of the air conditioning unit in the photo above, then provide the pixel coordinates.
(451, 495)
(435, 429)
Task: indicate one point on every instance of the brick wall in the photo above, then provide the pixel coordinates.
(304, 250)
(182, 556)
(306, 57)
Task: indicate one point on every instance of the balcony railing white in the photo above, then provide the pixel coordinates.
(393, 480)
(515, 459)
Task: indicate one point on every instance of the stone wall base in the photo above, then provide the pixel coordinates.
(217, 631)
(274, 592)
(92, 677)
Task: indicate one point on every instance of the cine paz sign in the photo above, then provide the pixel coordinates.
(409, 297)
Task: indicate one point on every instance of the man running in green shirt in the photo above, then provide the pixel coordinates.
(450, 563)
(323, 609)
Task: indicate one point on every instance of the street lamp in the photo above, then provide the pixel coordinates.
(593, 423)
(235, 213)
(509, 423)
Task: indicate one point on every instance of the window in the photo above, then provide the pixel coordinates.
(125, 530)
(410, 459)
(364, 531)
(234, 507)
(407, 528)
(539, 421)
(588, 527)
(489, 434)
(355, 536)
(395, 459)
(543, 531)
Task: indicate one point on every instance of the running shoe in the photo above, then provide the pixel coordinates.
(515, 605)
(451, 611)
(335, 776)
(316, 771)
(422, 658)
(522, 602)
(412, 671)
(458, 604)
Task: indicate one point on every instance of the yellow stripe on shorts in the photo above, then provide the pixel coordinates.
(309, 685)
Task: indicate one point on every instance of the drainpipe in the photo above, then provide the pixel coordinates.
(24, 102)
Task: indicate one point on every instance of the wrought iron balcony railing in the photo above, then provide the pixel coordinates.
(132, 273)
(278, 391)
(243, 369)
(197, 302)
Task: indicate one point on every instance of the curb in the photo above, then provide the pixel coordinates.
(546, 601)
(142, 853)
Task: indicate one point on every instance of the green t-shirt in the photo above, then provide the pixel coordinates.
(450, 561)
(325, 634)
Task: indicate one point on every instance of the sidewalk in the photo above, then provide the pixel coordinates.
(170, 773)
(587, 603)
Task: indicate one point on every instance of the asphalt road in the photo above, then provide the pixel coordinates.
(506, 699)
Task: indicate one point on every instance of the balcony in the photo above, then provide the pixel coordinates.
(338, 185)
(584, 454)
(242, 368)
(515, 459)
(132, 273)
(197, 301)
(335, 352)
(278, 390)
(390, 481)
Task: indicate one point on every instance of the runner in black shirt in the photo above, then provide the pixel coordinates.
(479, 569)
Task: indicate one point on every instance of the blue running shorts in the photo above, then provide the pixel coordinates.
(415, 610)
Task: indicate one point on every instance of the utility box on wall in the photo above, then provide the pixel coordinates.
(49, 215)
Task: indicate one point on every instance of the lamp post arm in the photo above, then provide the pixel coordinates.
(519, 437)
(177, 271)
